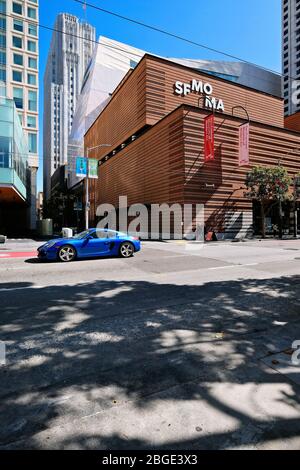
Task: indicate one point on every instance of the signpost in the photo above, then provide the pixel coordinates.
(93, 168)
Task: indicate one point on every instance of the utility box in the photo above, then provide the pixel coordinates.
(45, 227)
(67, 232)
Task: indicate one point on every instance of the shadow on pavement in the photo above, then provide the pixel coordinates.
(131, 350)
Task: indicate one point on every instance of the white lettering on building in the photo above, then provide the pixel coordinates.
(205, 89)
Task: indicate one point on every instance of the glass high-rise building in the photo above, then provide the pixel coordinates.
(19, 62)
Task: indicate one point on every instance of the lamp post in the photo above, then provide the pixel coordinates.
(87, 201)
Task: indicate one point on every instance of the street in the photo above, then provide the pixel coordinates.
(183, 346)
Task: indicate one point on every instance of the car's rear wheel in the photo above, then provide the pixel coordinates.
(67, 253)
(126, 250)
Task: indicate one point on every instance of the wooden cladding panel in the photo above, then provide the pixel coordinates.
(219, 184)
(147, 95)
(124, 115)
(167, 165)
(149, 170)
(161, 76)
(292, 122)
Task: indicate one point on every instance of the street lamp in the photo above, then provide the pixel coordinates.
(87, 202)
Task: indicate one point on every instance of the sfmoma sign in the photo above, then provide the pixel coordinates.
(203, 89)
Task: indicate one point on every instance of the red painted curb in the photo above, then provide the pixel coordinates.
(18, 254)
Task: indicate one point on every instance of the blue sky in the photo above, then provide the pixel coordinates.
(249, 29)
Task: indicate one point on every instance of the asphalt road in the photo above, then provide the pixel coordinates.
(181, 346)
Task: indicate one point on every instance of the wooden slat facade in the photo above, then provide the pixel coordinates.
(292, 122)
(147, 95)
(165, 164)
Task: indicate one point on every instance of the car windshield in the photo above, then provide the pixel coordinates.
(82, 234)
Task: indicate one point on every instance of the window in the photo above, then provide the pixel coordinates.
(17, 42)
(31, 13)
(31, 79)
(2, 75)
(2, 58)
(17, 76)
(2, 41)
(32, 63)
(32, 142)
(2, 6)
(32, 100)
(17, 8)
(18, 97)
(18, 25)
(31, 121)
(32, 29)
(31, 46)
(2, 23)
(18, 59)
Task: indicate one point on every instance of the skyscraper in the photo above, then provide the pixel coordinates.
(69, 55)
(19, 86)
(291, 55)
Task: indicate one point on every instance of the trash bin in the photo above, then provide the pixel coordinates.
(45, 227)
(67, 232)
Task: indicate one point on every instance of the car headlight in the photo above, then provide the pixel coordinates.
(49, 244)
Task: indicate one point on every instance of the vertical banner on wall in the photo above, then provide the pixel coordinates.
(93, 168)
(81, 166)
(244, 144)
(209, 138)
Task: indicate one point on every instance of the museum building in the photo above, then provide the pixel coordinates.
(177, 135)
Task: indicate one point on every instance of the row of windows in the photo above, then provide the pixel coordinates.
(17, 76)
(18, 25)
(18, 43)
(18, 9)
(18, 95)
(18, 59)
(31, 121)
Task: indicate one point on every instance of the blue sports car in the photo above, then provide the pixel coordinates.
(90, 243)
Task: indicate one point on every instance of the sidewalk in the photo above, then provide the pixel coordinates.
(20, 245)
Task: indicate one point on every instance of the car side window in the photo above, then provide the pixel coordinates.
(111, 235)
(99, 234)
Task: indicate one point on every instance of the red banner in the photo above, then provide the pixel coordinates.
(244, 144)
(209, 138)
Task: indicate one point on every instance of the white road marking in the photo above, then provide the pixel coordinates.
(22, 288)
(233, 266)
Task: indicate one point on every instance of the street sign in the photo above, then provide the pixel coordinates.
(81, 166)
(93, 168)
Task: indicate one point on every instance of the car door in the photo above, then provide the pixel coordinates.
(96, 244)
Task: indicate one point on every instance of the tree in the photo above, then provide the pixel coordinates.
(267, 185)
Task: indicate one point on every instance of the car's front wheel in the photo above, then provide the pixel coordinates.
(126, 250)
(66, 253)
